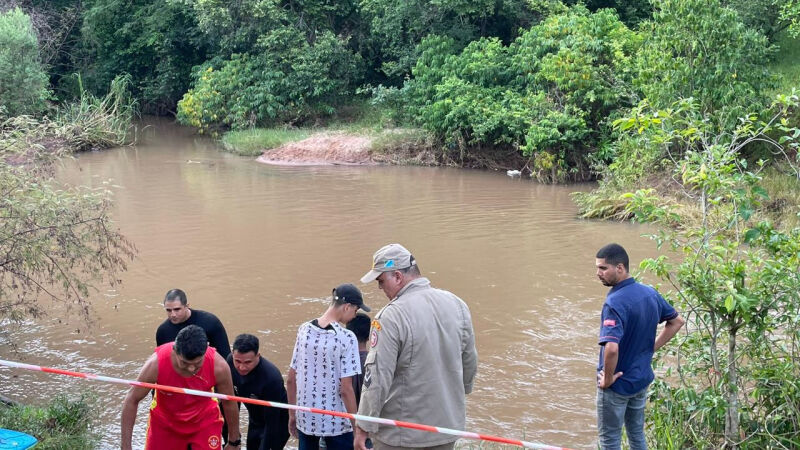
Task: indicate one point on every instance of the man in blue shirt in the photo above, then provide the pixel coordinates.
(631, 314)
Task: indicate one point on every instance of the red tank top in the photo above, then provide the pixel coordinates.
(185, 412)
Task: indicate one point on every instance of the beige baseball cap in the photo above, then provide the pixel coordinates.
(388, 258)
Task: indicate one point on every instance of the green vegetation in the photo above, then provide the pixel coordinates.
(23, 81)
(289, 80)
(736, 281)
(548, 94)
(59, 425)
(254, 142)
(785, 64)
(708, 55)
(666, 103)
(56, 242)
(92, 122)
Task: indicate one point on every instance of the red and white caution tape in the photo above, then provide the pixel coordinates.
(396, 423)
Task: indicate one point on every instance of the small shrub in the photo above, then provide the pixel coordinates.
(98, 122)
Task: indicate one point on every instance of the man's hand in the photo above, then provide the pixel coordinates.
(604, 383)
(360, 439)
(292, 424)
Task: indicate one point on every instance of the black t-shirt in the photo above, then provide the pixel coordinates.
(264, 382)
(217, 336)
(358, 379)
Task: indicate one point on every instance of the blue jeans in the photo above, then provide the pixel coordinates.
(614, 410)
(311, 442)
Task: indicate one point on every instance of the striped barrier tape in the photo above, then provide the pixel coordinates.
(396, 423)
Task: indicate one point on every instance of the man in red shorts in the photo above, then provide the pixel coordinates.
(182, 421)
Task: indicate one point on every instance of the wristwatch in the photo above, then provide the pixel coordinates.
(236, 443)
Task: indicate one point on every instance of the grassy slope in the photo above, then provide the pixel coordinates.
(360, 118)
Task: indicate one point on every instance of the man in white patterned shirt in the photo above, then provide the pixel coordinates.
(324, 360)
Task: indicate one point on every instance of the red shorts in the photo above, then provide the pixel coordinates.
(162, 436)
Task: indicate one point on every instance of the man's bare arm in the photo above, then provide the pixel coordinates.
(349, 396)
(607, 376)
(291, 394)
(671, 328)
(222, 372)
(148, 374)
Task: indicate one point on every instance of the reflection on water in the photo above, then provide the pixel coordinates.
(260, 246)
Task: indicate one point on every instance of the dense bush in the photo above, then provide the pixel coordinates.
(701, 49)
(288, 79)
(157, 42)
(23, 81)
(549, 93)
(394, 29)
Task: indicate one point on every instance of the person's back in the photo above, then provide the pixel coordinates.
(422, 359)
(324, 360)
(429, 370)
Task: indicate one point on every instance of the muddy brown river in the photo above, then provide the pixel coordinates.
(261, 247)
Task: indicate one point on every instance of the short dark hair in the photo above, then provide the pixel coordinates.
(360, 326)
(614, 254)
(191, 342)
(175, 294)
(245, 343)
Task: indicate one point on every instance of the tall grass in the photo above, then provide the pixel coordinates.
(99, 122)
(61, 424)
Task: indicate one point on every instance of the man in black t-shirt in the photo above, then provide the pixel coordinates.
(179, 316)
(360, 326)
(255, 377)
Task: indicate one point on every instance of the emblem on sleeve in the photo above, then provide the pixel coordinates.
(367, 376)
(373, 338)
(609, 323)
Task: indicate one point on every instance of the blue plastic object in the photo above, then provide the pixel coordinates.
(14, 440)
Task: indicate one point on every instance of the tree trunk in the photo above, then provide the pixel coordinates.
(732, 393)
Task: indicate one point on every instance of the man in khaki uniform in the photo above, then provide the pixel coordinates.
(422, 359)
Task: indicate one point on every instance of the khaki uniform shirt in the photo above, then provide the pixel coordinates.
(421, 364)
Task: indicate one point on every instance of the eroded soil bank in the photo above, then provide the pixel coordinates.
(323, 149)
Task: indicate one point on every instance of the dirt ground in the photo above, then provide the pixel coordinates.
(322, 149)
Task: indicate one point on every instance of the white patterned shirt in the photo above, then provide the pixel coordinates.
(321, 358)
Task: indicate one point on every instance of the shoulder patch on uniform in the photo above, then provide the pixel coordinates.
(609, 323)
(373, 338)
(376, 325)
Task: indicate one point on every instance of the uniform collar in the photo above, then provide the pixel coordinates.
(413, 284)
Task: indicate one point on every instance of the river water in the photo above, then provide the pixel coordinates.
(262, 246)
